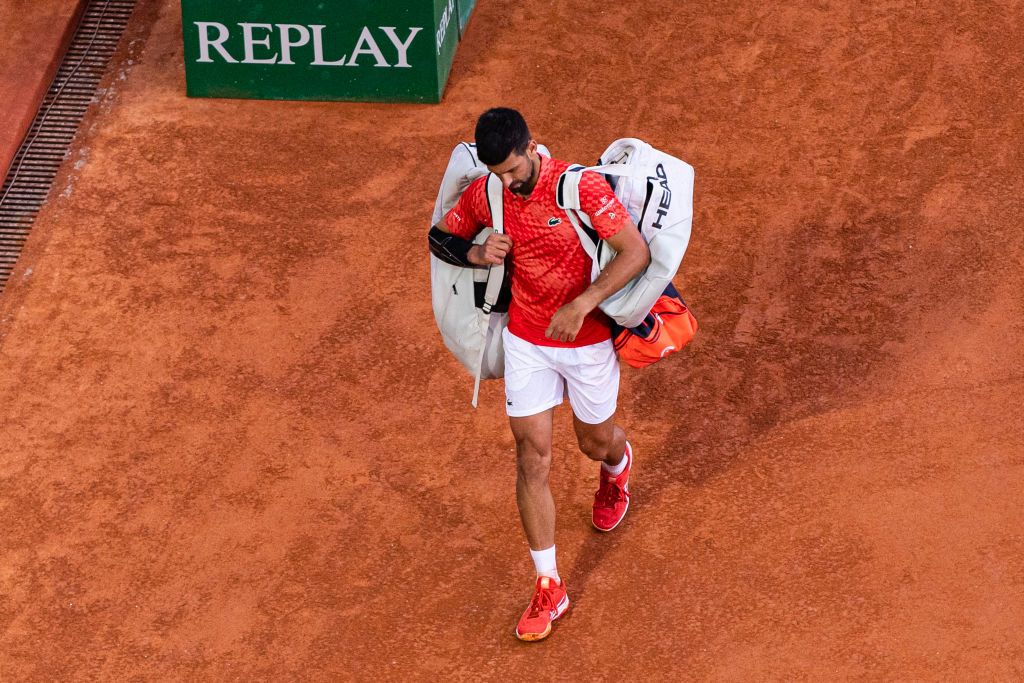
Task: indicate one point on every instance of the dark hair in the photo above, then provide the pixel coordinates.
(499, 132)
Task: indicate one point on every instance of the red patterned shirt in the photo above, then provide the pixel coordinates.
(549, 266)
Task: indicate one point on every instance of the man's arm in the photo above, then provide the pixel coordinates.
(632, 256)
(461, 252)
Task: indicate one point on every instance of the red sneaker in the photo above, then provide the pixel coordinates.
(549, 602)
(612, 498)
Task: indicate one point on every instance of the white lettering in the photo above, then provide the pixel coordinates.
(318, 47)
(250, 42)
(442, 25)
(402, 47)
(287, 43)
(218, 44)
(366, 38)
(213, 37)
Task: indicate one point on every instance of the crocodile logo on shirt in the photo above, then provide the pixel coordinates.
(552, 222)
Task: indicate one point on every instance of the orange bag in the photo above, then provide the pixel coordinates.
(667, 328)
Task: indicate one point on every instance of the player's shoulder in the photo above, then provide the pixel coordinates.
(476, 191)
(593, 182)
(590, 177)
(556, 165)
(477, 185)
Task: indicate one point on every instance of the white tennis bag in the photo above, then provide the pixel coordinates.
(464, 299)
(657, 191)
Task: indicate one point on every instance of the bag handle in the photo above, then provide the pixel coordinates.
(495, 274)
(495, 277)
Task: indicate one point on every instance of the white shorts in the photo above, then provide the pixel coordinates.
(536, 378)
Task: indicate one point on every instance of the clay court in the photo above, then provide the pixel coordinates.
(233, 446)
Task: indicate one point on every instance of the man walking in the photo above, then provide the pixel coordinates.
(557, 339)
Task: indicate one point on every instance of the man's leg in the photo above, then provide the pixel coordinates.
(592, 378)
(532, 390)
(537, 510)
(604, 442)
(533, 465)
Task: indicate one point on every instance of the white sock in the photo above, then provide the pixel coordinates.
(544, 561)
(617, 469)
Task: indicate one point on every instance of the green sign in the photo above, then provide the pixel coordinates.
(364, 50)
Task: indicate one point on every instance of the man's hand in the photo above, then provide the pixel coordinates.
(567, 321)
(492, 252)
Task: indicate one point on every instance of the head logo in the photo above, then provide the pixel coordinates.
(666, 194)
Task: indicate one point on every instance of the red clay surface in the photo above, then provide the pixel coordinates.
(232, 445)
(35, 34)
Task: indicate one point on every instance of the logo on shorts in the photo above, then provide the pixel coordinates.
(508, 402)
(552, 222)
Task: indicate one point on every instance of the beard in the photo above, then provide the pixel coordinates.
(524, 188)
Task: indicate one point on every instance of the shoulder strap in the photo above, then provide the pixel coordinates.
(495, 202)
(567, 196)
(592, 248)
(567, 191)
(495, 276)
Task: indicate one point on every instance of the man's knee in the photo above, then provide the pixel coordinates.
(533, 460)
(596, 446)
